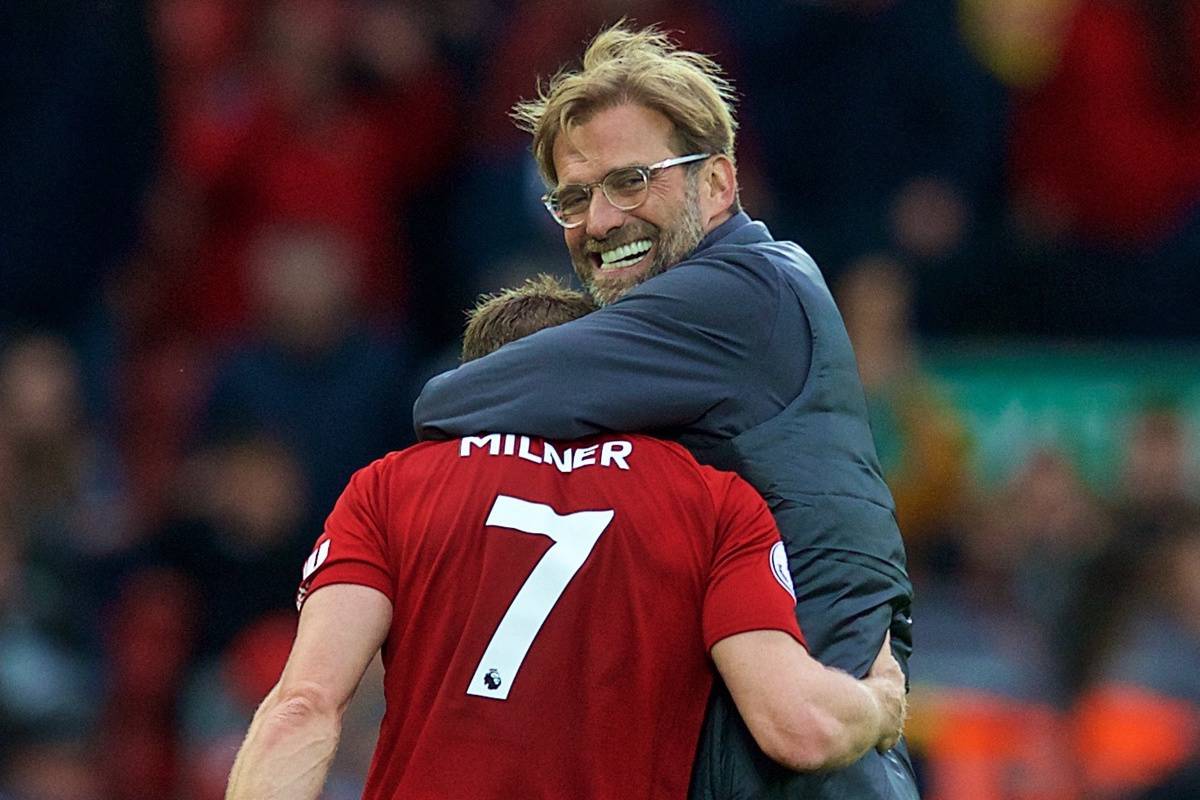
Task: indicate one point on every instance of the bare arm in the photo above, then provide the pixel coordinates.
(295, 731)
(803, 714)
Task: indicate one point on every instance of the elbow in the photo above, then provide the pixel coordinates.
(303, 706)
(808, 742)
(306, 700)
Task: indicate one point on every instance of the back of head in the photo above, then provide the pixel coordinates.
(622, 65)
(511, 314)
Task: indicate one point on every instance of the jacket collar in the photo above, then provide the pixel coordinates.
(738, 229)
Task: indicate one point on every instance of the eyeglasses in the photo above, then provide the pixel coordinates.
(625, 188)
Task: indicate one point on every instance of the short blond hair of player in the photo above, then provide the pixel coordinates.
(511, 314)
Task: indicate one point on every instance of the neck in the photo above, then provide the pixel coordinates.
(718, 220)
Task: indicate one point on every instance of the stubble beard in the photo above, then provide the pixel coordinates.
(674, 243)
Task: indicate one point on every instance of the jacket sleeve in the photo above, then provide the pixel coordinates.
(659, 357)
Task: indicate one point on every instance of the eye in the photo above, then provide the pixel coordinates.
(625, 182)
(572, 200)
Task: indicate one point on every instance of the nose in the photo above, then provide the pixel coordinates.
(602, 216)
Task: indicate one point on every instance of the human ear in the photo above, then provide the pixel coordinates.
(718, 188)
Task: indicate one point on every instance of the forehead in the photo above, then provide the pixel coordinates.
(615, 137)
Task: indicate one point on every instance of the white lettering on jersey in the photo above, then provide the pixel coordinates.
(612, 454)
(491, 441)
(525, 454)
(550, 456)
(615, 452)
(585, 456)
(779, 568)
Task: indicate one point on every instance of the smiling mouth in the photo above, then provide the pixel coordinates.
(622, 256)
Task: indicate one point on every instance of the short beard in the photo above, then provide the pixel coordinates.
(675, 243)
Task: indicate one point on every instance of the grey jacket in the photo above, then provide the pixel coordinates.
(739, 353)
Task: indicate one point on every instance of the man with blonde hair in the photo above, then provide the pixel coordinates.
(511, 314)
(546, 612)
(712, 333)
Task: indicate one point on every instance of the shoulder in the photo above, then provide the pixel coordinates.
(672, 454)
(381, 488)
(677, 462)
(744, 268)
(672, 463)
(758, 269)
(728, 288)
(399, 463)
(731, 492)
(785, 269)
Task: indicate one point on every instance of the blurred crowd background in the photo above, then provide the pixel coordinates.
(236, 237)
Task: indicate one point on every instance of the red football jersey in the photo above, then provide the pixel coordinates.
(553, 607)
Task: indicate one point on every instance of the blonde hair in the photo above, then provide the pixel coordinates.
(512, 314)
(622, 65)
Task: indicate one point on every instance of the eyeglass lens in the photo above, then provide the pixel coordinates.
(624, 188)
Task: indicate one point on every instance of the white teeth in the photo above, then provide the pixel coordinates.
(625, 255)
(629, 262)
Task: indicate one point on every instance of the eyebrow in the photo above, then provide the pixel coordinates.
(608, 172)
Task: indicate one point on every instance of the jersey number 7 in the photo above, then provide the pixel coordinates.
(574, 537)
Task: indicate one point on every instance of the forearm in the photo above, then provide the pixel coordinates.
(479, 397)
(289, 747)
(649, 361)
(803, 714)
(848, 718)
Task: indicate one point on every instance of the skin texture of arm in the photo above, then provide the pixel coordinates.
(803, 714)
(294, 734)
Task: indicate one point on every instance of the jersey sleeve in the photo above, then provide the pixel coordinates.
(749, 586)
(689, 338)
(353, 547)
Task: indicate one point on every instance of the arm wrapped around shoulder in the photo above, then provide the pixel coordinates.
(804, 715)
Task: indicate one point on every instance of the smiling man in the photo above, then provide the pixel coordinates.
(717, 335)
(612, 255)
(549, 618)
